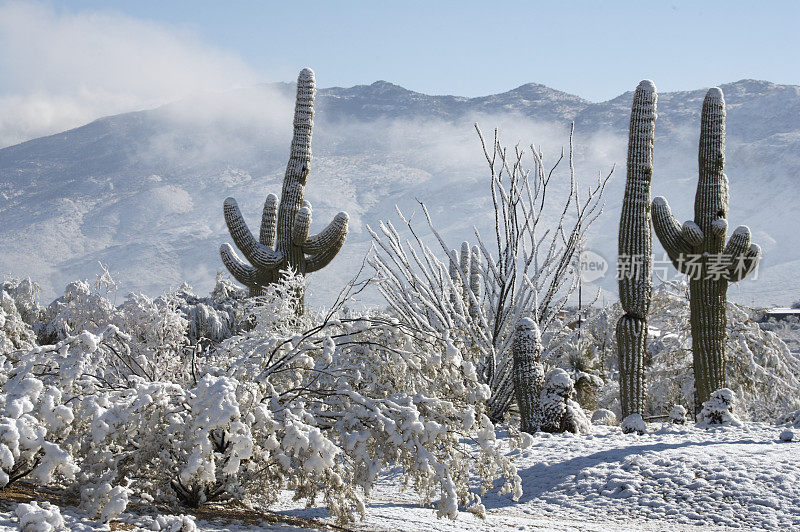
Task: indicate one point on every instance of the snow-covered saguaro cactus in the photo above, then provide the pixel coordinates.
(526, 348)
(475, 282)
(635, 250)
(698, 249)
(284, 241)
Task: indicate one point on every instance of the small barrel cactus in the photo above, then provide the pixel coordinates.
(284, 241)
(526, 348)
(697, 248)
(559, 413)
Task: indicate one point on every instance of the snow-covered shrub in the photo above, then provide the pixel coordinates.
(790, 419)
(786, 435)
(15, 334)
(157, 331)
(81, 308)
(559, 412)
(174, 523)
(39, 517)
(23, 292)
(602, 416)
(633, 423)
(33, 421)
(318, 404)
(215, 318)
(719, 410)
(373, 394)
(678, 415)
(104, 501)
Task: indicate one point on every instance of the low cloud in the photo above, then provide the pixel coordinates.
(59, 70)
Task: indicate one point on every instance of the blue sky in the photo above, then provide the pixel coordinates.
(66, 62)
(596, 49)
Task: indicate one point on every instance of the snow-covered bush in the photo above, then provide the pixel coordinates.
(215, 318)
(317, 404)
(83, 307)
(104, 501)
(17, 304)
(633, 423)
(791, 419)
(602, 416)
(33, 421)
(719, 410)
(174, 523)
(23, 292)
(39, 517)
(678, 415)
(559, 412)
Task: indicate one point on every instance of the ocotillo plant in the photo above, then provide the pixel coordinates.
(526, 348)
(698, 249)
(291, 247)
(635, 250)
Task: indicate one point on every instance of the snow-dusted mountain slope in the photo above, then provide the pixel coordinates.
(142, 192)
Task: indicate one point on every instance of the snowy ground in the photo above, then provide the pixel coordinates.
(673, 478)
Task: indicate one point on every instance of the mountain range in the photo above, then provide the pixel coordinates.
(142, 192)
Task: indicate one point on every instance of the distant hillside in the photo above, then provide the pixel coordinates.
(142, 192)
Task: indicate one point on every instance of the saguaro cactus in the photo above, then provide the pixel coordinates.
(526, 347)
(698, 249)
(635, 250)
(291, 247)
(470, 265)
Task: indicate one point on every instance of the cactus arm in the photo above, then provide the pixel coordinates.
(465, 258)
(670, 233)
(258, 254)
(744, 264)
(302, 223)
(738, 243)
(323, 258)
(267, 234)
(475, 282)
(335, 231)
(244, 273)
(692, 233)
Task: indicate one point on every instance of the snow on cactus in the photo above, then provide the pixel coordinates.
(718, 410)
(559, 413)
(526, 349)
(39, 517)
